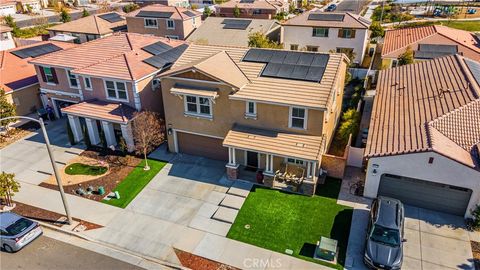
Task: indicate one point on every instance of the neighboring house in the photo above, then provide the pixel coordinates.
(429, 42)
(327, 31)
(258, 9)
(6, 39)
(236, 105)
(424, 135)
(172, 3)
(102, 83)
(233, 31)
(8, 7)
(33, 6)
(19, 79)
(164, 21)
(91, 27)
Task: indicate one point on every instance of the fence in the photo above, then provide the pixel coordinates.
(358, 73)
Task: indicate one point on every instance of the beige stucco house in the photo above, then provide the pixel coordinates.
(254, 108)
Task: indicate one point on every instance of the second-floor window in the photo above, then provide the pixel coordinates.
(346, 33)
(170, 24)
(251, 109)
(49, 75)
(294, 47)
(312, 48)
(298, 117)
(88, 83)
(72, 79)
(116, 90)
(198, 106)
(151, 23)
(320, 32)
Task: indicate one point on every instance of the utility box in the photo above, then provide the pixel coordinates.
(326, 249)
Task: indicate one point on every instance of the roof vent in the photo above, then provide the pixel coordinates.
(251, 136)
(300, 144)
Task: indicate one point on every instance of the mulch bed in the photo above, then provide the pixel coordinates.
(476, 253)
(50, 217)
(15, 134)
(199, 263)
(119, 166)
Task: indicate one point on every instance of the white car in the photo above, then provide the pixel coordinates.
(16, 231)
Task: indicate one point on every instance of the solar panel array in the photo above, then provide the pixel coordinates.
(474, 67)
(326, 17)
(247, 1)
(166, 58)
(431, 51)
(36, 51)
(189, 13)
(289, 64)
(236, 24)
(111, 17)
(157, 48)
(154, 14)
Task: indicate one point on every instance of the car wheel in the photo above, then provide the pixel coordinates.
(8, 248)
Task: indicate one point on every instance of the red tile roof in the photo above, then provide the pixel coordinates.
(97, 109)
(178, 12)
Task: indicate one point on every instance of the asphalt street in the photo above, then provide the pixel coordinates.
(47, 253)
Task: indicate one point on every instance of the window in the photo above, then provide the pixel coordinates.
(320, 32)
(172, 37)
(170, 24)
(155, 83)
(151, 23)
(294, 47)
(49, 75)
(257, 11)
(312, 48)
(72, 79)
(198, 106)
(298, 118)
(116, 90)
(295, 161)
(88, 83)
(251, 109)
(5, 36)
(394, 62)
(346, 33)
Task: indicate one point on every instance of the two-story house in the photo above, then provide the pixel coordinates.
(102, 83)
(317, 31)
(164, 21)
(173, 3)
(254, 108)
(6, 39)
(258, 9)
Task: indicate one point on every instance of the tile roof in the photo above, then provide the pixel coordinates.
(119, 56)
(350, 20)
(267, 89)
(211, 32)
(178, 13)
(280, 143)
(422, 106)
(399, 39)
(257, 4)
(15, 72)
(92, 24)
(98, 109)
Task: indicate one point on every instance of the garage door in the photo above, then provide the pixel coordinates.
(430, 195)
(201, 146)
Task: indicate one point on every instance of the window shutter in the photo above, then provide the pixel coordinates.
(353, 33)
(42, 72)
(54, 75)
(340, 33)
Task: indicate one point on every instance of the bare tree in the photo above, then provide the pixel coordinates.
(148, 133)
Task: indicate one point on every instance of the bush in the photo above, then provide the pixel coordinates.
(259, 40)
(130, 7)
(85, 13)
(65, 16)
(476, 218)
(207, 11)
(376, 30)
(349, 125)
(406, 57)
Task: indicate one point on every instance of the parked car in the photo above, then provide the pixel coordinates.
(16, 231)
(384, 240)
(331, 7)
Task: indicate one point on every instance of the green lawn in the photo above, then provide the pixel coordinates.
(280, 221)
(135, 181)
(472, 26)
(84, 169)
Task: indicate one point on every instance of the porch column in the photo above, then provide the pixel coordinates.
(309, 167)
(76, 127)
(232, 159)
(232, 166)
(109, 133)
(128, 136)
(269, 164)
(92, 131)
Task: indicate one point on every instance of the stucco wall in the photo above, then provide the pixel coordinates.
(442, 170)
(7, 43)
(182, 28)
(99, 92)
(25, 99)
(334, 165)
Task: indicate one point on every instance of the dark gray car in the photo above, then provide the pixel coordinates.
(384, 241)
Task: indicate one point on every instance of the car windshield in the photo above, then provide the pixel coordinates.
(385, 236)
(19, 226)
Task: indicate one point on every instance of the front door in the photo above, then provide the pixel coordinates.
(252, 159)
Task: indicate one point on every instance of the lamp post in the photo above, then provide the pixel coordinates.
(52, 160)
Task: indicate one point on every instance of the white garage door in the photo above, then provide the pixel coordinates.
(425, 194)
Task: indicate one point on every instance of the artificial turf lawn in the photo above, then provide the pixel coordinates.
(135, 181)
(471, 26)
(280, 221)
(84, 169)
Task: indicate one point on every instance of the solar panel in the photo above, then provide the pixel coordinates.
(236, 24)
(326, 17)
(247, 1)
(474, 67)
(157, 48)
(452, 49)
(36, 51)
(315, 74)
(154, 14)
(190, 13)
(111, 17)
(166, 58)
(320, 60)
(430, 55)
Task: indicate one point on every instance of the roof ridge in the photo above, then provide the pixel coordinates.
(128, 66)
(96, 23)
(3, 59)
(102, 60)
(468, 73)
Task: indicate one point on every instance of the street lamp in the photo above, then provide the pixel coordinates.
(52, 160)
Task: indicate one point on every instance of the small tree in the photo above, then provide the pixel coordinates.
(7, 109)
(406, 57)
(207, 11)
(259, 40)
(350, 124)
(476, 217)
(376, 30)
(29, 8)
(85, 13)
(10, 21)
(130, 7)
(65, 16)
(236, 12)
(148, 133)
(8, 187)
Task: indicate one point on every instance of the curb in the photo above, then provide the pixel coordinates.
(134, 254)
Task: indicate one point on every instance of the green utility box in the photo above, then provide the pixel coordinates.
(326, 249)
